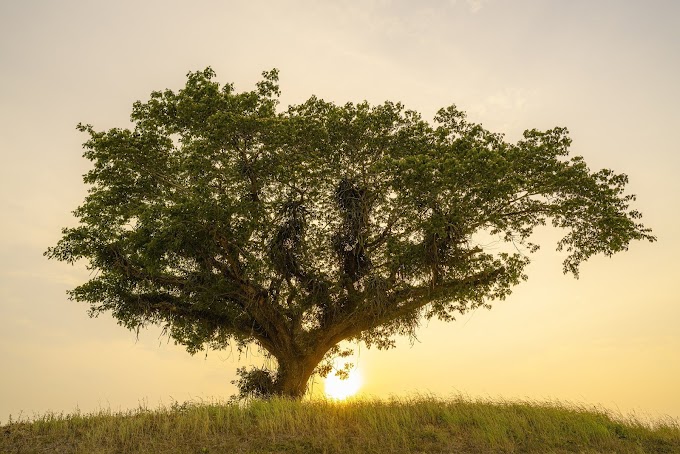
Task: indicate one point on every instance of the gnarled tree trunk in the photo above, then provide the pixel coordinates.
(293, 375)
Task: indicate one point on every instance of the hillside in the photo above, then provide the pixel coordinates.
(418, 425)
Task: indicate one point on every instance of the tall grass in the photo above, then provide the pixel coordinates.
(415, 425)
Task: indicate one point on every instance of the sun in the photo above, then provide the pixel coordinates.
(338, 389)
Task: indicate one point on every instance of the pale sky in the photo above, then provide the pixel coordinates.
(607, 70)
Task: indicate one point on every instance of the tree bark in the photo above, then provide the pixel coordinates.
(293, 375)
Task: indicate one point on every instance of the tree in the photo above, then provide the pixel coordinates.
(231, 223)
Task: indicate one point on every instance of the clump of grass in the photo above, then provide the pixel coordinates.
(411, 425)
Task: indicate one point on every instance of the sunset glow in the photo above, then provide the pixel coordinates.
(336, 388)
(607, 71)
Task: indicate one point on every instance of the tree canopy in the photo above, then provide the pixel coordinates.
(229, 221)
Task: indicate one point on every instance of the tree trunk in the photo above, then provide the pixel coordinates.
(293, 375)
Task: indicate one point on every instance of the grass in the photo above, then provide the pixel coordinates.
(416, 425)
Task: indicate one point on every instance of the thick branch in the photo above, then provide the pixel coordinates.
(401, 304)
(252, 300)
(169, 307)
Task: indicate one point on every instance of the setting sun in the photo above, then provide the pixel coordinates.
(336, 388)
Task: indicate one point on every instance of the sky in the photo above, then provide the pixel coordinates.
(607, 70)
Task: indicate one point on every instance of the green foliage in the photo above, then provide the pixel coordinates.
(405, 426)
(256, 383)
(230, 222)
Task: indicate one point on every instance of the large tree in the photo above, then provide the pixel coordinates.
(230, 222)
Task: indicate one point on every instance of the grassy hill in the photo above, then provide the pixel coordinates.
(418, 425)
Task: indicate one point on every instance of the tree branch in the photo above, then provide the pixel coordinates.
(401, 304)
